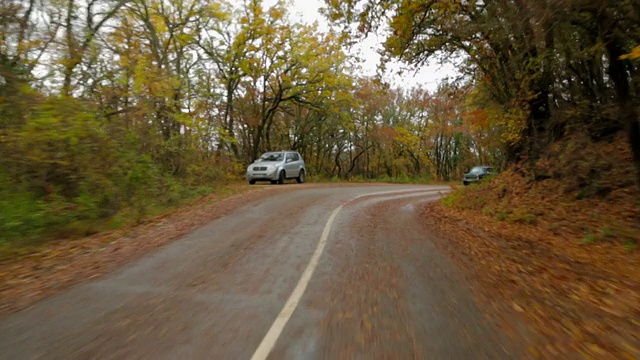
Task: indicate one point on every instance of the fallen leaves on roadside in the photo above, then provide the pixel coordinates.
(580, 299)
(58, 265)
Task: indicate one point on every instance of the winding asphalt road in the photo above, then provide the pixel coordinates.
(311, 273)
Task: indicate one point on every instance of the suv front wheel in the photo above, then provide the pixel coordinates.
(281, 177)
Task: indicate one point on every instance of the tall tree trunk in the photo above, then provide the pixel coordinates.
(539, 111)
(620, 77)
(228, 119)
(70, 61)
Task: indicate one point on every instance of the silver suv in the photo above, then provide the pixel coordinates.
(277, 166)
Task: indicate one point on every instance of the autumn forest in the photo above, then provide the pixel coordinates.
(111, 107)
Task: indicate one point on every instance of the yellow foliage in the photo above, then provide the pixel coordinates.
(510, 118)
(633, 55)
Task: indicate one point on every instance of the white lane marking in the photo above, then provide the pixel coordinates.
(274, 332)
(270, 339)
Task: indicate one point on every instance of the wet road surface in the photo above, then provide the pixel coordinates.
(311, 273)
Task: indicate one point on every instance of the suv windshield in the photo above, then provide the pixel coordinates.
(478, 170)
(271, 157)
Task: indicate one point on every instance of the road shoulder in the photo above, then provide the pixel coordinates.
(61, 264)
(575, 297)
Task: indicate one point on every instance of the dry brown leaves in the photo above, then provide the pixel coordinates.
(61, 264)
(581, 298)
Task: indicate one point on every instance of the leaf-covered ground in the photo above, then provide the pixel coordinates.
(58, 265)
(555, 247)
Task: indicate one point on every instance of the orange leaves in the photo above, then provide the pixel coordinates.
(476, 117)
(633, 55)
(385, 134)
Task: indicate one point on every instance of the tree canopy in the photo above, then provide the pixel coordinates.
(548, 67)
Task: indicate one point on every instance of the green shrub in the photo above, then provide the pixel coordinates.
(21, 215)
(451, 199)
(522, 217)
(589, 238)
(488, 211)
(67, 172)
(607, 232)
(501, 216)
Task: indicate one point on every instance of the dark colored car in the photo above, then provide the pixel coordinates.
(476, 174)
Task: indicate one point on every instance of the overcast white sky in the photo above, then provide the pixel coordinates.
(428, 76)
